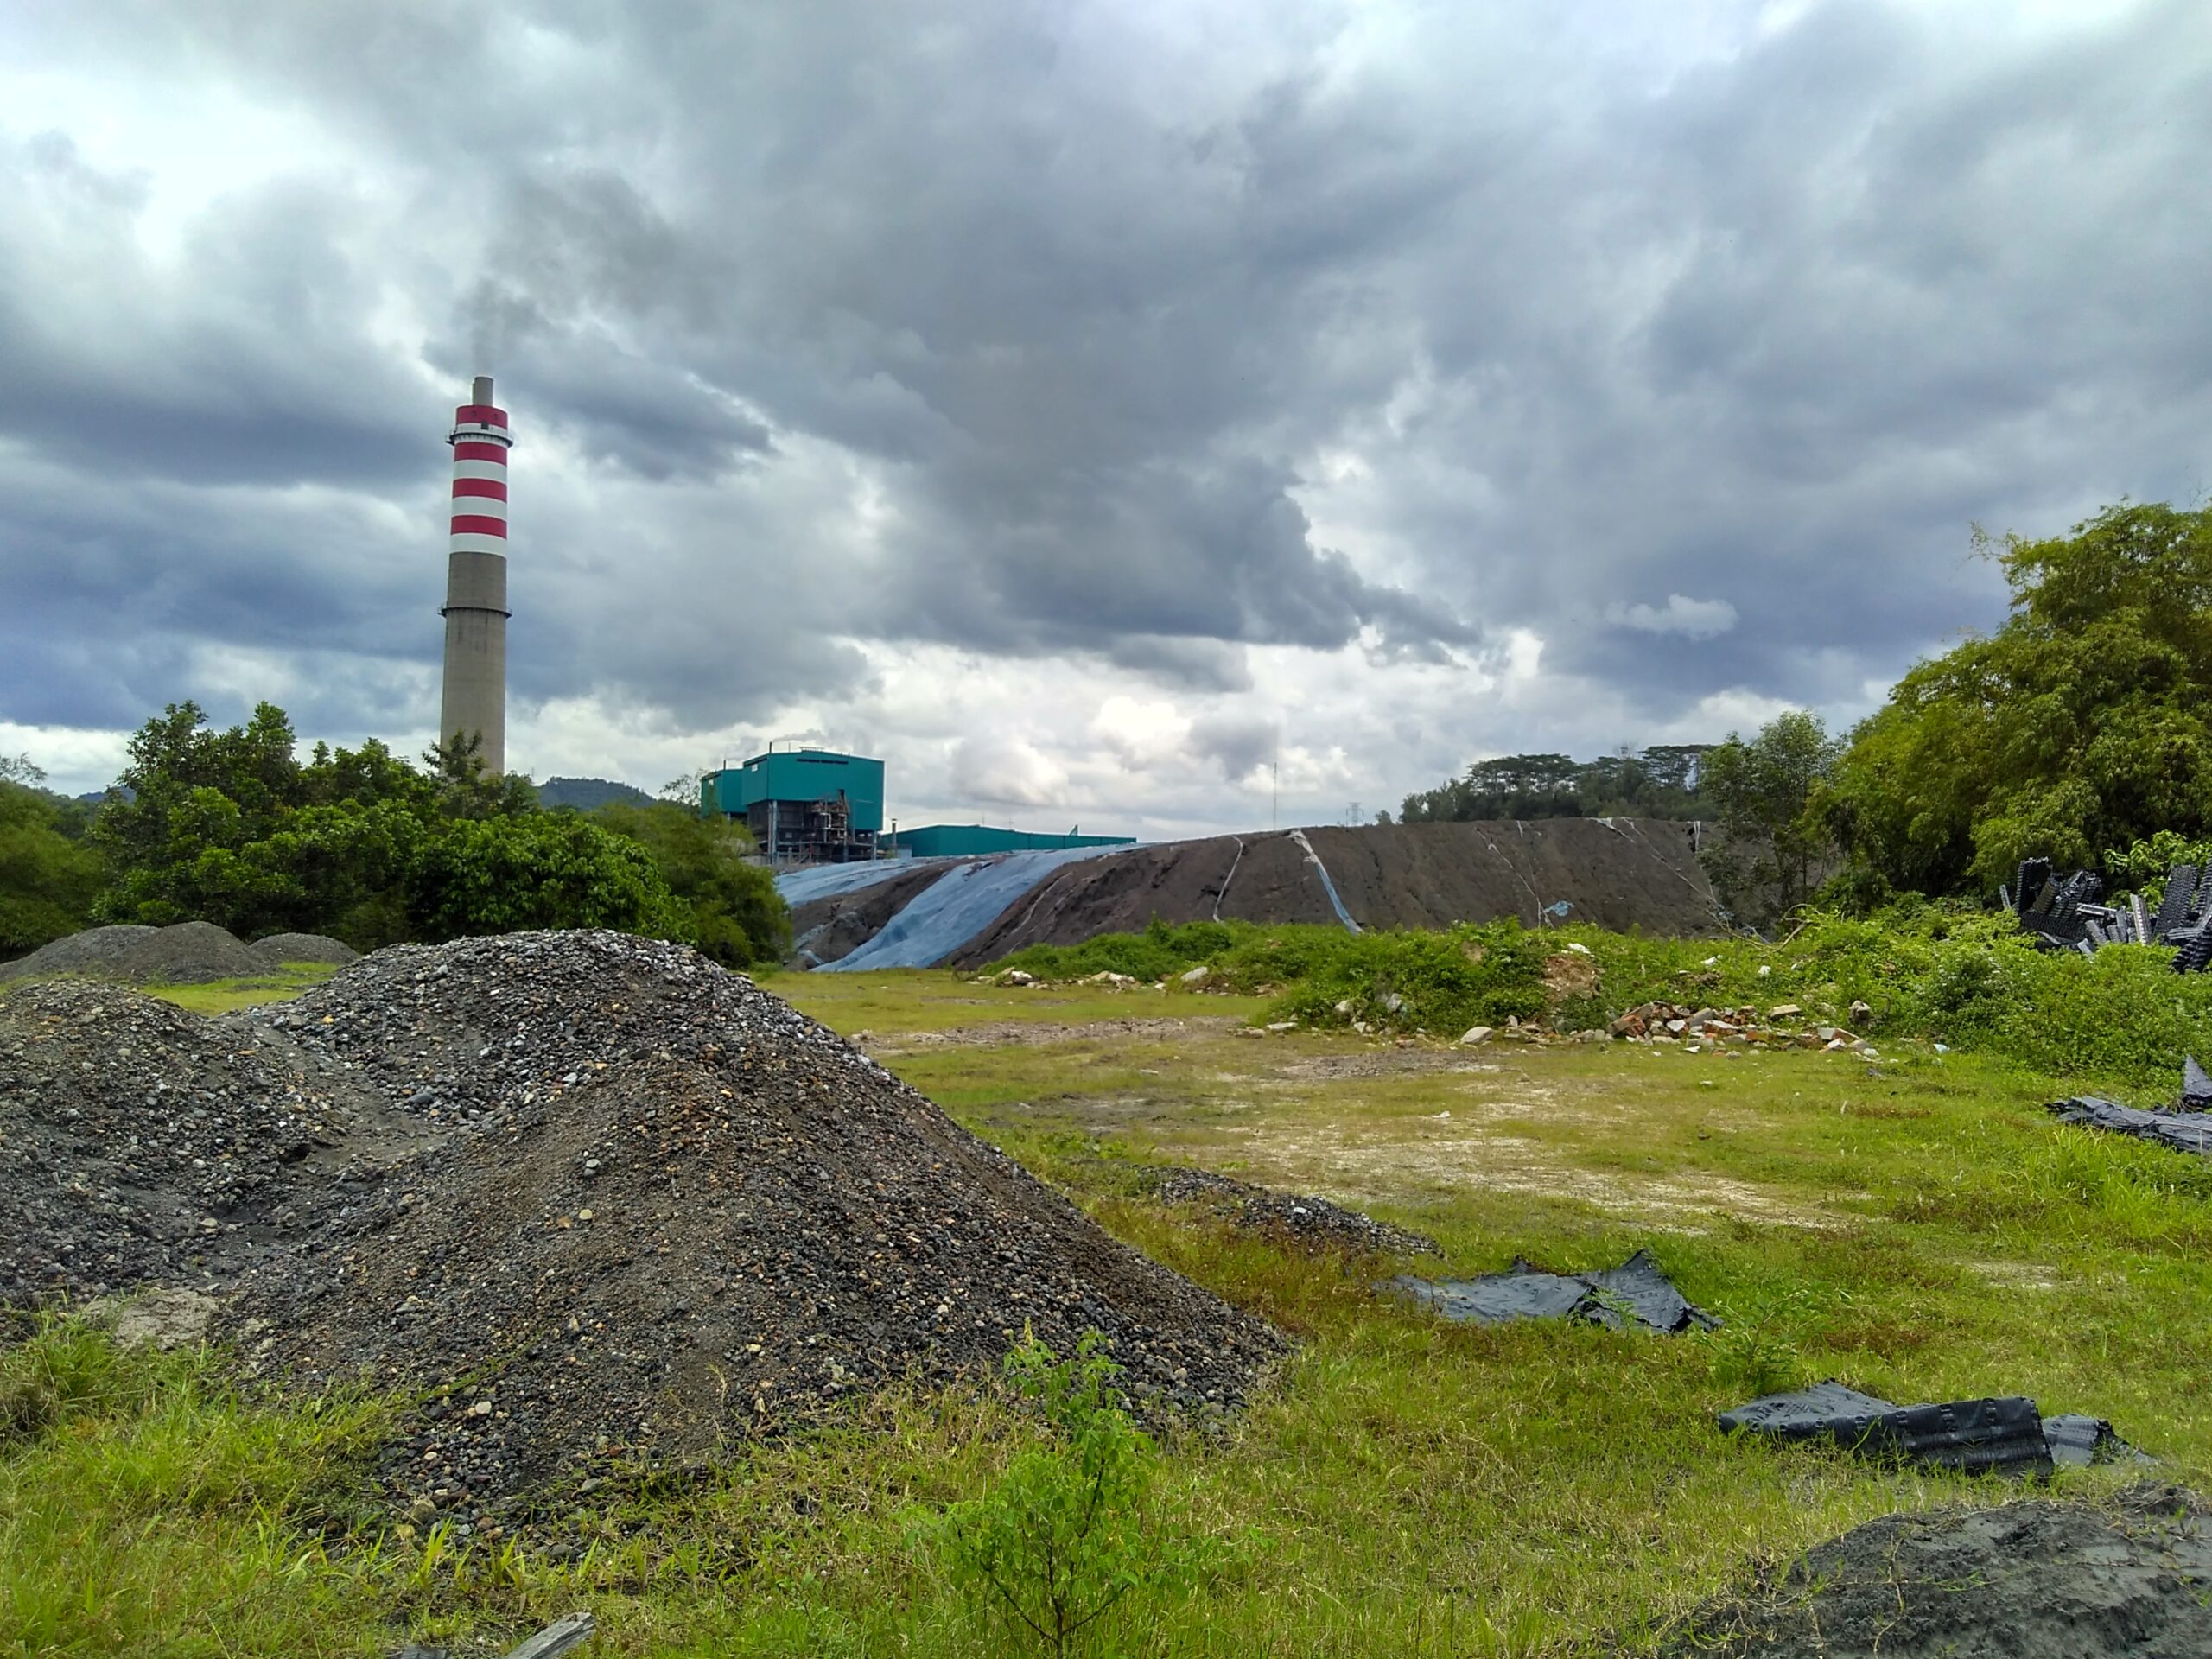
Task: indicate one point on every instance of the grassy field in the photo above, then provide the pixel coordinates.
(1917, 1228)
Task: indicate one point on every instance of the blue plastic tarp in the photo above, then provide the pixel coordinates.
(963, 902)
(823, 880)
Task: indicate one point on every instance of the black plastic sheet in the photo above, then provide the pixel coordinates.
(1636, 1294)
(2183, 1131)
(2001, 1434)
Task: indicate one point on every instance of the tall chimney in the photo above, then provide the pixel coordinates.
(475, 702)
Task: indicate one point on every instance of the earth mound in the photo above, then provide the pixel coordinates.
(2031, 1580)
(189, 953)
(656, 1209)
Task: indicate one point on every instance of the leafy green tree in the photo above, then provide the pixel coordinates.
(466, 789)
(48, 876)
(1771, 839)
(163, 804)
(531, 870)
(2083, 723)
(737, 916)
(1656, 783)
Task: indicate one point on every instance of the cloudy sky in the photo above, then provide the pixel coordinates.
(1076, 404)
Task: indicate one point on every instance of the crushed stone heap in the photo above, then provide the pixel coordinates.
(142, 1144)
(653, 1209)
(186, 953)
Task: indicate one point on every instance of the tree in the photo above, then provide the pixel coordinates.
(1772, 837)
(532, 870)
(465, 790)
(739, 918)
(2083, 723)
(1656, 783)
(48, 876)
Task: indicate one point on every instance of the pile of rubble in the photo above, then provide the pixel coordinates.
(1294, 1218)
(1731, 1030)
(186, 953)
(590, 1196)
(2070, 913)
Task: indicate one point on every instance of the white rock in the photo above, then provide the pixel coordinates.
(1197, 975)
(1475, 1034)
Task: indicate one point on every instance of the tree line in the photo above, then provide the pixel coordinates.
(2080, 730)
(1664, 781)
(232, 827)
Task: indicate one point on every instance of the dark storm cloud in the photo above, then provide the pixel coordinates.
(1021, 328)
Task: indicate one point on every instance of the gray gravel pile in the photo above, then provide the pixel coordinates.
(277, 949)
(189, 953)
(78, 953)
(2033, 1581)
(663, 1210)
(1291, 1216)
(140, 1144)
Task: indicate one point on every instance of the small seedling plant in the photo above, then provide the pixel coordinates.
(1060, 1547)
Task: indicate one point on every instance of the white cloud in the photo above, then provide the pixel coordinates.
(1694, 619)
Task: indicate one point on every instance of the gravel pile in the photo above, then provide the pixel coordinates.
(2032, 1580)
(1300, 1219)
(89, 951)
(189, 953)
(656, 1209)
(279, 949)
(142, 1144)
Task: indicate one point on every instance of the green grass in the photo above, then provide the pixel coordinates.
(225, 995)
(2121, 1019)
(1918, 1228)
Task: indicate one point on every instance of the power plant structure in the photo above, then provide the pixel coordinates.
(817, 806)
(474, 705)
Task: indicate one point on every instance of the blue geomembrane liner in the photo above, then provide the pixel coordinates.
(967, 898)
(823, 880)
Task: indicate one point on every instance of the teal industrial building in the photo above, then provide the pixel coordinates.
(816, 806)
(972, 840)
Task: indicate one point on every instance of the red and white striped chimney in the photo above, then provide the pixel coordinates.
(475, 701)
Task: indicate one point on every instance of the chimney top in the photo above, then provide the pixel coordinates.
(481, 392)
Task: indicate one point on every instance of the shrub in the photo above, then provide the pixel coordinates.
(1062, 1548)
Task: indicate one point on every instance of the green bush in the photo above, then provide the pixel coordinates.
(1065, 1547)
(1965, 977)
(738, 918)
(499, 875)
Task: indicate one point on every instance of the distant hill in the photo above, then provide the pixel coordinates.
(585, 793)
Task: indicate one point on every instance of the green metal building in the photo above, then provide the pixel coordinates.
(809, 806)
(974, 840)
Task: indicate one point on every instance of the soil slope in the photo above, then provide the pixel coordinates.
(1621, 874)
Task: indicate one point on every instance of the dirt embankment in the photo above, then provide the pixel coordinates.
(1621, 874)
